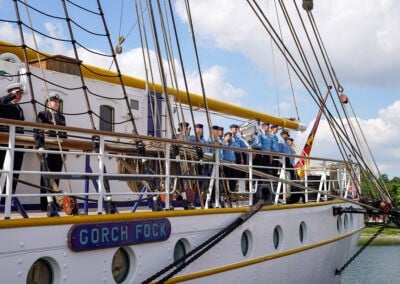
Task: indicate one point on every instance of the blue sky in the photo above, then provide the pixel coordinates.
(361, 37)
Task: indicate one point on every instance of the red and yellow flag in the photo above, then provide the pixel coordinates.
(303, 163)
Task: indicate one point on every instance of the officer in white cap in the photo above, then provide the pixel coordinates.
(9, 103)
(52, 115)
(9, 108)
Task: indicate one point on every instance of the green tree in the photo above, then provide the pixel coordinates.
(384, 178)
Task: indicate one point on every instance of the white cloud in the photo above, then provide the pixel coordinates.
(216, 86)
(381, 132)
(360, 35)
(55, 30)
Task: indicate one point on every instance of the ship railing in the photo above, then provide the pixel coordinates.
(161, 169)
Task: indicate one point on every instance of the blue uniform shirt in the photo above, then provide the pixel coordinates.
(274, 143)
(263, 141)
(209, 141)
(227, 155)
(192, 138)
(238, 141)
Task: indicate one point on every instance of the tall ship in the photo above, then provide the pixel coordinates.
(107, 178)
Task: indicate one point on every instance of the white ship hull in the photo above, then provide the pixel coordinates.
(328, 241)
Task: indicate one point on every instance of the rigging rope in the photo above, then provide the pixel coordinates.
(73, 42)
(194, 254)
(287, 66)
(181, 65)
(203, 91)
(160, 65)
(340, 270)
(343, 139)
(128, 105)
(151, 95)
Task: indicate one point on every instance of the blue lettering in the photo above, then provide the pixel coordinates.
(162, 230)
(138, 231)
(104, 234)
(94, 236)
(124, 233)
(83, 238)
(147, 231)
(114, 234)
(155, 230)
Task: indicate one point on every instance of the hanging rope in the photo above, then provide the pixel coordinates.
(377, 233)
(128, 105)
(160, 65)
(287, 66)
(197, 252)
(203, 91)
(181, 65)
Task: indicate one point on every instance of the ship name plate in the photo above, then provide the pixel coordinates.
(82, 237)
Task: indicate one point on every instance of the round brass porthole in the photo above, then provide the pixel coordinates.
(246, 243)
(302, 232)
(41, 271)
(120, 265)
(277, 237)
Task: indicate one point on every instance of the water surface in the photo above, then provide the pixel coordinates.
(376, 264)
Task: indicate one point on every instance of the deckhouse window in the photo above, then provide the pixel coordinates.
(134, 104)
(106, 118)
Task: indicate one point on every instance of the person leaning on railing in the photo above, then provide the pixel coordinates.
(10, 108)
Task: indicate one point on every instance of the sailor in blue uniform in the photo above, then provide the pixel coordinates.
(9, 108)
(214, 139)
(275, 163)
(263, 142)
(198, 129)
(228, 155)
(238, 142)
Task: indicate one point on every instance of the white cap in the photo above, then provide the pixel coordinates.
(14, 86)
(54, 96)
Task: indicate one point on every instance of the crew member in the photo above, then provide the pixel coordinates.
(263, 142)
(228, 155)
(10, 108)
(184, 131)
(52, 115)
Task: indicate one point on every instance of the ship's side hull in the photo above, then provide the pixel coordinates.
(303, 243)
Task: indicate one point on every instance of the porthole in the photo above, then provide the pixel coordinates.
(120, 265)
(351, 221)
(181, 248)
(277, 237)
(41, 271)
(339, 225)
(246, 243)
(302, 232)
(346, 222)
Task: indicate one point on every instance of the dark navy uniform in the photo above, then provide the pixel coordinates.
(11, 111)
(54, 161)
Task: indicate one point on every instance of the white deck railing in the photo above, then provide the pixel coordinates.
(91, 173)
